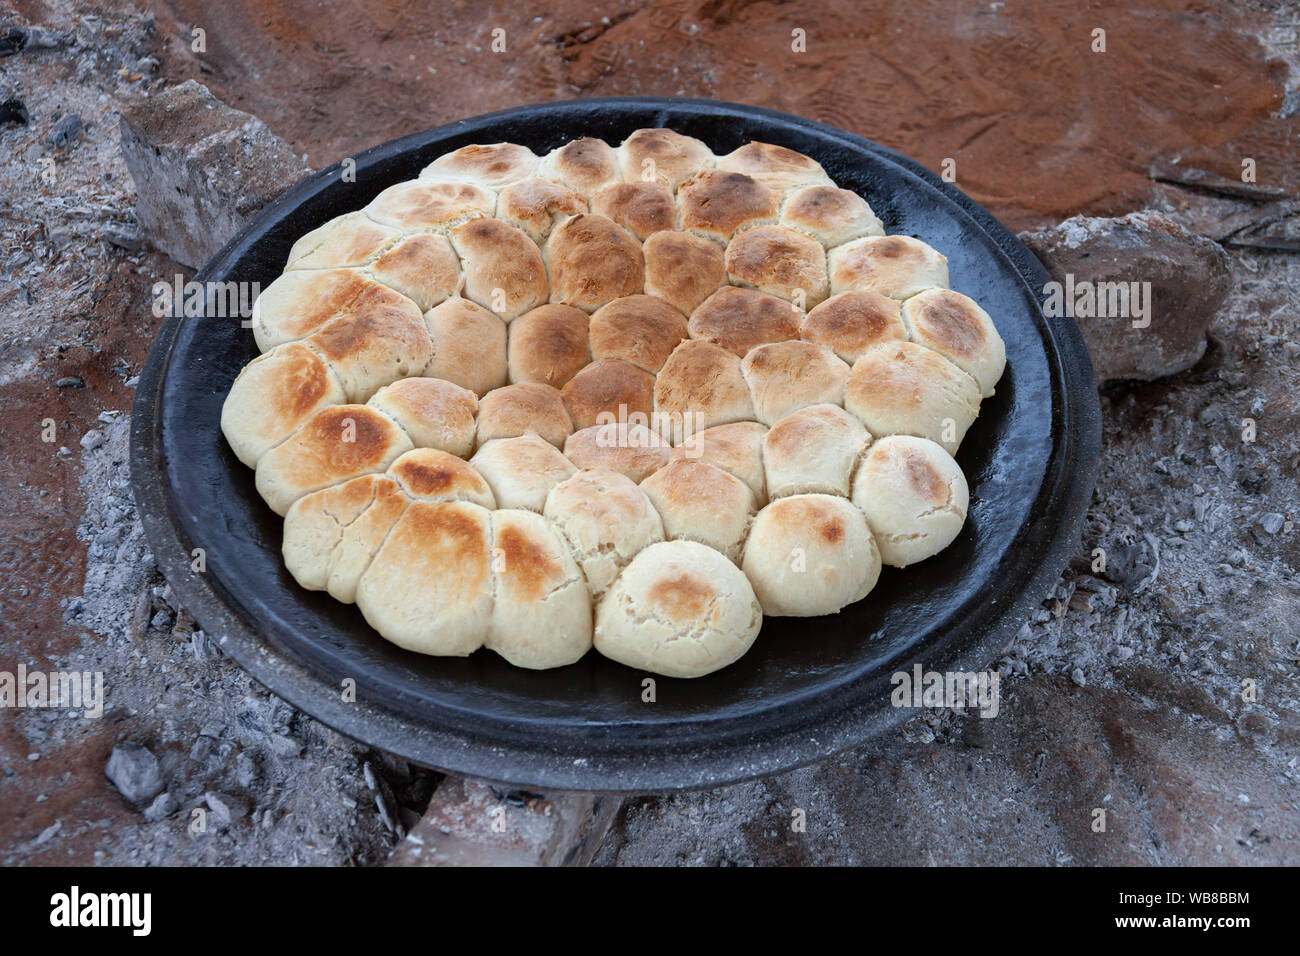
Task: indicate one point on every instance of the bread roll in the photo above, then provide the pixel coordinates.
(716, 204)
(519, 409)
(896, 266)
(809, 555)
(504, 272)
(435, 413)
(584, 165)
(663, 155)
(521, 471)
(906, 389)
(780, 262)
(273, 395)
(331, 535)
(852, 322)
(549, 345)
(423, 268)
(830, 215)
(700, 386)
(592, 260)
(419, 206)
(429, 588)
(958, 329)
(640, 329)
(740, 319)
(427, 474)
(337, 443)
(469, 346)
(541, 615)
(785, 376)
(679, 609)
(914, 496)
(699, 502)
(299, 303)
(534, 206)
(775, 166)
(378, 339)
(494, 165)
(736, 448)
(641, 208)
(609, 389)
(813, 451)
(683, 269)
(628, 448)
(606, 520)
(352, 239)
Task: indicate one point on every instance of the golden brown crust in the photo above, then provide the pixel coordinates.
(592, 261)
(700, 385)
(908, 389)
(424, 268)
(352, 239)
(584, 165)
(740, 319)
(432, 475)
(434, 412)
(700, 502)
(418, 205)
(852, 322)
(830, 215)
(683, 269)
(781, 262)
(536, 205)
(896, 266)
(379, 339)
(640, 208)
(663, 155)
(494, 164)
(469, 345)
(299, 303)
(504, 271)
(736, 448)
(549, 345)
(774, 166)
(640, 329)
(611, 388)
(521, 408)
(785, 376)
(717, 204)
(630, 449)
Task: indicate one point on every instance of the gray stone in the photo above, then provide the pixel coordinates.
(225, 808)
(65, 132)
(92, 439)
(135, 772)
(201, 169)
(1271, 522)
(1190, 278)
(163, 806)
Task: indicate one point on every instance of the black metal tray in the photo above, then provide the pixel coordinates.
(808, 688)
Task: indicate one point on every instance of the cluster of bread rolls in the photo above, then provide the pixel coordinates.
(628, 397)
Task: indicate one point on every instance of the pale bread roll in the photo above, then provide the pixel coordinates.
(809, 555)
(628, 448)
(584, 165)
(852, 322)
(541, 613)
(906, 389)
(548, 345)
(699, 502)
(429, 588)
(592, 260)
(606, 520)
(504, 271)
(780, 262)
(519, 409)
(776, 167)
(679, 609)
(521, 471)
(273, 395)
(352, 239)
(914, 496)
(785, 376)
(331, 535)
(609, 389)
(423, 268)
(717, 205)
(740, 319)
(830, 215)
(958, 329)
(700, 386)
(534, 206)
(662, 155)
(418, 206)
(427, 474)
(640, 329)
(299, 303)
(683, 269)
(813, 451)
(380, 338)
(492, 165)
(435, 413)
(736, 448)
(337, 443)
(469, 346)
(641, 208)
(896, 266)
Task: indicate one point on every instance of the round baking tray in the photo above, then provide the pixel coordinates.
(810, 687)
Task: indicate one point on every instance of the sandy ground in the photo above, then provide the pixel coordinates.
(1123, 693)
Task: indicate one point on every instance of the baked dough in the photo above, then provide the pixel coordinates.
(630, 395)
